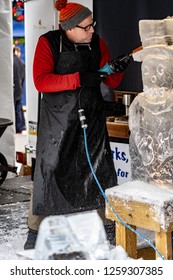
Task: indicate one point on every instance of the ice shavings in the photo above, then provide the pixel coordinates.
(142, 192)
(159, 199)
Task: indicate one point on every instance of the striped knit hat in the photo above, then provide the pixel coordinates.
(71, 14)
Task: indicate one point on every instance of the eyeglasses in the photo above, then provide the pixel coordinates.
(87, 28)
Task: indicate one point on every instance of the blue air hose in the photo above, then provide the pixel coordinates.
(84, 126)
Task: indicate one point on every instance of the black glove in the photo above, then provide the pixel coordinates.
(91, 78)
(121, 63)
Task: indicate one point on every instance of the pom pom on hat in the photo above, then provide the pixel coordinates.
(71, 14)
(60, 4)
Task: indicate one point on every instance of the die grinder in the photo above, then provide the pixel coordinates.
(119, 64)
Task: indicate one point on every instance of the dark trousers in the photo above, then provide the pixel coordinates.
(18, 116)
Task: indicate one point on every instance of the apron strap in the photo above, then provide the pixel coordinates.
(60, 44)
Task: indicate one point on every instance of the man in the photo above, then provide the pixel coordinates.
(18, 87)
(65, 70)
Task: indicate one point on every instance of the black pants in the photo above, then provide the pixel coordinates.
(19, 116)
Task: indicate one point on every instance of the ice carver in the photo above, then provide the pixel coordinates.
(65, 71)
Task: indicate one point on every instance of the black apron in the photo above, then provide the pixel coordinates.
(63, 182)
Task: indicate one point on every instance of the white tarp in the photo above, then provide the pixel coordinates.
(7, 141)
(39, 18)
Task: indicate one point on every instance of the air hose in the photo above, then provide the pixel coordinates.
(84, 127)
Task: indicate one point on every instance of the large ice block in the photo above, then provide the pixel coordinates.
(151, 112)
(77, 236)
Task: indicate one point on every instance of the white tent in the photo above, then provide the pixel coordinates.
(7, 141)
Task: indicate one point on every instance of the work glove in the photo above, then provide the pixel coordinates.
(91, 78)
(121, 63)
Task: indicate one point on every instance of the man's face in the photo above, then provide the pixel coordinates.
(83, 32)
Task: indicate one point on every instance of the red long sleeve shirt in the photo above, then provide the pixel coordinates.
(46, 80)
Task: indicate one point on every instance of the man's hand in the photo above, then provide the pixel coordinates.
(91, 78)
(121, 63)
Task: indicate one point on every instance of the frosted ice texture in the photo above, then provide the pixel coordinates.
(155, 32)
(83, 233)
(151, 112)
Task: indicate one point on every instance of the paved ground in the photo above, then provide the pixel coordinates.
(14, 203)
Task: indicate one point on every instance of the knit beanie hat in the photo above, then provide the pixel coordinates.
(71, 14)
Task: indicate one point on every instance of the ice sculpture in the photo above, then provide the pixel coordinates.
(151, 112)
(75, 236)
